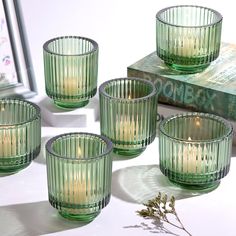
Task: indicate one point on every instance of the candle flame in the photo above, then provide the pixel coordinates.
(129, 97)
(189, 139)
(197, 121)
(79, 153)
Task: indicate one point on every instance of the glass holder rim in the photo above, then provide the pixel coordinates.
(192, 114)
(94, 43)
(108, 149)
(124, 100)
(14, 125)
(218, 20)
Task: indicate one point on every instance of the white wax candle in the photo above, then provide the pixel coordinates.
(70, 86)
(188, 43)
(77, 186)
(8, 143)
(191, 158)
(190, 47)
(77, 191)
(126, 128)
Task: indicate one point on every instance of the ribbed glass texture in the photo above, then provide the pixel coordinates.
(79, 171)
(128, 114)
(20, 134)
(188, 37)
(70, 68)
(195, 149)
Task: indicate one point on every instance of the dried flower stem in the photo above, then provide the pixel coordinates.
(159, 208)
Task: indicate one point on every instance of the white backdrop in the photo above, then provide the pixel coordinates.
(124, 29)
(125, 32)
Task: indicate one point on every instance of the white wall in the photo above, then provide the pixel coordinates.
(124, 29)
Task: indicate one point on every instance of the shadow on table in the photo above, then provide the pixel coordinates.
(32, 219)
(153, 226)
(137, 184)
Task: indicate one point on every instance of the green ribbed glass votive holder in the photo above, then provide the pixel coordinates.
(79, 171)
(195, 149)
(128, 114)
(70, 68)
(188, 37)
(20, 134)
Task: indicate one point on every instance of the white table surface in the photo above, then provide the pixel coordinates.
(25, 210)
(125, 31)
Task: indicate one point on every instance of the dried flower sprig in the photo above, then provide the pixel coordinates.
(159, 208)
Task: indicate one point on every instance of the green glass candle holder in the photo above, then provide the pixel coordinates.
(188, 37)
(70, 68)
(79, 171)
(128, 113)
(20, 134)
(195, 149)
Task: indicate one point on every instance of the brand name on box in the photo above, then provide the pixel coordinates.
(184, 93)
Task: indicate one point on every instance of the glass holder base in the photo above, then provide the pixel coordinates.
(208, 186)
(13, 169)
(187, 69)
(128, 152)
(69, 105)
(10, 166)
(80, 217)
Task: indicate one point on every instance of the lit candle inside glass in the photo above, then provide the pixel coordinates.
(78, 187)
(189, 45)
(78, 190)
(70, 86)
(192, 158)
(70, 69)
(193, 148)
(70, 83)
(8, 143)
(126, 128)
(79, 170)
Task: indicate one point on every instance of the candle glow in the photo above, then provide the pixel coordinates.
(126, 129)
(70, 86)
(8, 143)
(191, 158)
(189, 45)
(77, 190)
